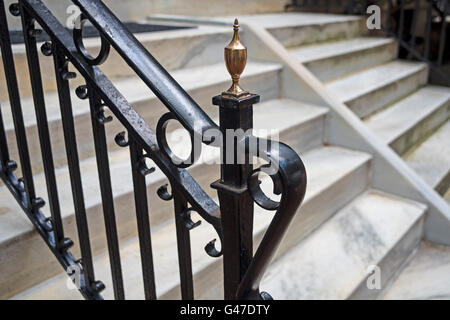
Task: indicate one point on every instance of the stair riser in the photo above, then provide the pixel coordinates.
(149, 109)
(308, 34)
(25, 262)
(160, 212)
(189, 49)
(421, 130)
(312, 214)
(392, 261)
(338, 66)
(444, 185)
(373, 101)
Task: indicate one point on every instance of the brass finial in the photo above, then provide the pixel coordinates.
(236, 60)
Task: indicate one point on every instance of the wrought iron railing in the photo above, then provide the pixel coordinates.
(238, 187)
(400, 19)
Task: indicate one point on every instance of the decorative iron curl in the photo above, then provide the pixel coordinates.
(47, 48)
(163, 193)
(210, 247)
(14, 9)
(78, 40)
(288, 173)
(120, 139)
(100, 115)
(142, 165)
(161, 136)
(82, 92)
(257, 194)
(211, 250)
(189, 224)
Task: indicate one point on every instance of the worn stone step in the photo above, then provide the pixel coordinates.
(367, 91)
(376, 229)
(18, 238)
(413, 118)
(425, 277)
(332, 60)
(202, 83)
(329, 189)
(431, 159)
(294, 29)
(174, 49)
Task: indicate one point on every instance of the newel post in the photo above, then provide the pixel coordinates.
(236, 204)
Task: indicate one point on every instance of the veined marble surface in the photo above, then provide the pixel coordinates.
(333, 261)
(431, 160)
(289, 19)
(427, 276)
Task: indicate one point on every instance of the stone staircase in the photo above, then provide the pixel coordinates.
(391, 96)
(343, 227)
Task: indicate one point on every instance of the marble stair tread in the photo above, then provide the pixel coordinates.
(425, 277)
(332, 262)
(431, 159)
(293, 29)
(135, 90)
(174, 49)
(270, 20)
(419, 111)
(360, 83)
(326, 50)
(335, 59)
(164, 240)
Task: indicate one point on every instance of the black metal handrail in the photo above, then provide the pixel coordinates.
(396, 24)
(143, 142)
(174, 97)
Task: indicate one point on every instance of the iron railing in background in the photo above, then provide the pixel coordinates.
(420, 26)
(232, 220)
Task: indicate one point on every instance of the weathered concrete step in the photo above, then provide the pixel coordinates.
(175, 49)
(369, 90)
(18, 238)
(431, 160)
(375, 229)
(201, 82)
(329, 189)
(332, 60)
(425, 277)
(413, 118)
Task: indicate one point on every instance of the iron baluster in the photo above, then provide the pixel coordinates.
(389, 14)
(428, 30)
(43, 129)
(184, 248)
(101, 151)
(414, 23)
(61, 67)
(442, 41)
(4, 152)
(401, 23)
(143, 222)
(14, 97)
